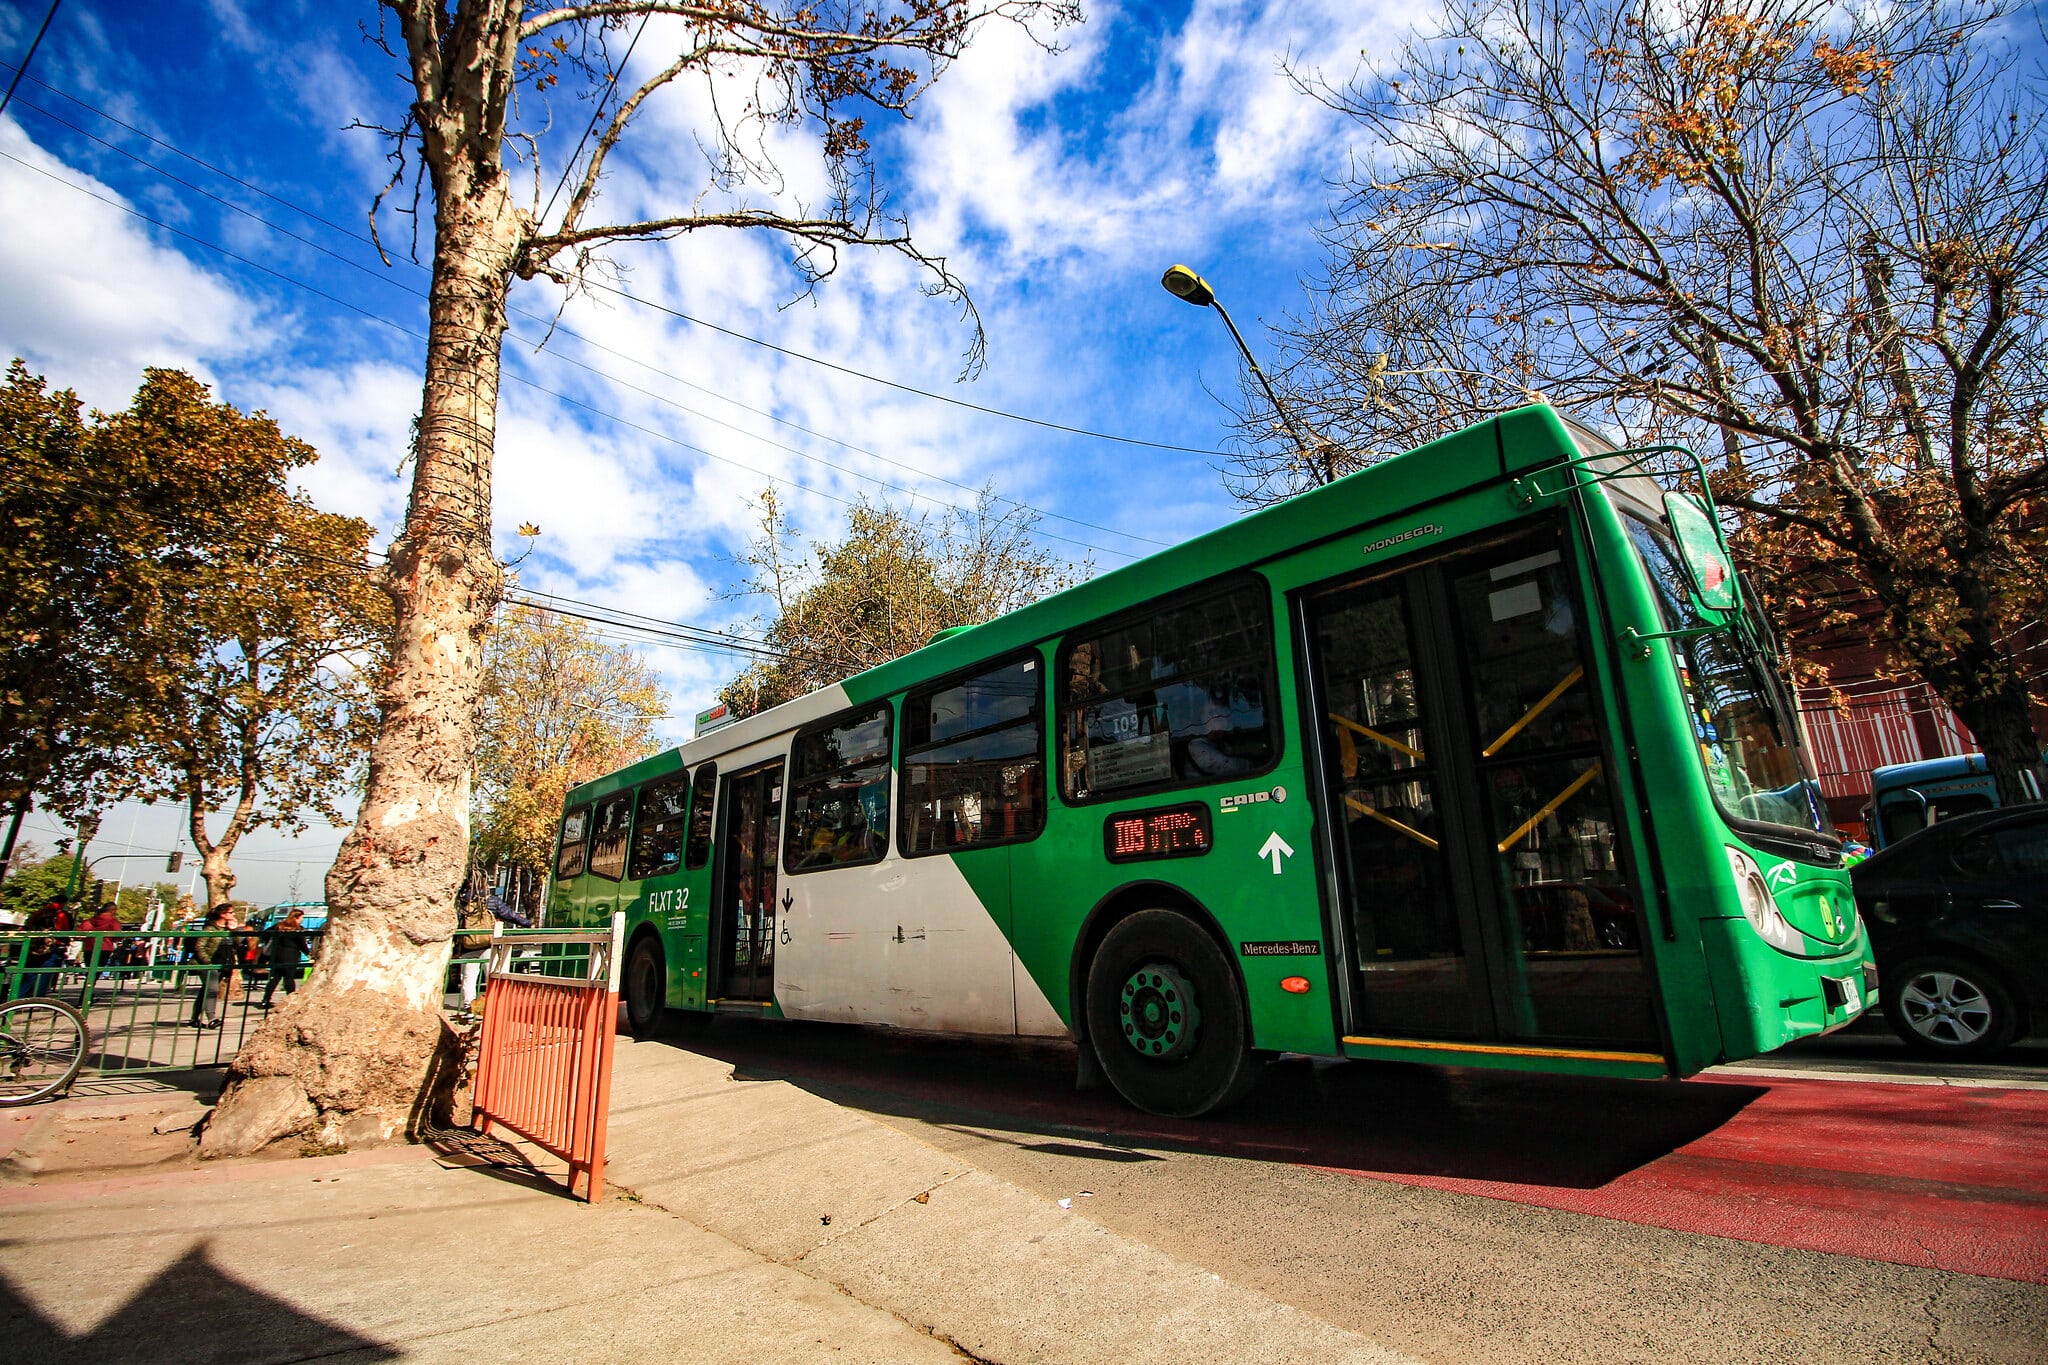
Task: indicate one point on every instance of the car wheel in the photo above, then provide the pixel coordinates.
(646, 987)
(1950, 1007)
(1166, 1019)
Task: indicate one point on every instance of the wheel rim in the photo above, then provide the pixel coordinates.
(39, 1049)
(1945, 1008)
(1158, 1012)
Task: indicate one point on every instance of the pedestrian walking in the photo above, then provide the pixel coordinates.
(286, 951)
(215, 959)
(46, 953)
(475, 907)
(99, 951)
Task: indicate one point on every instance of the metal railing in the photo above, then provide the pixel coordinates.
(144, 995)
(544, 1061)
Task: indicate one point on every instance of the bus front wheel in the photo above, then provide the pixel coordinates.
(1165, 1017)
(646, 987)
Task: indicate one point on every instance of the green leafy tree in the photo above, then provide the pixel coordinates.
(1809, 240)
(105, 519)
(31, 885)
(362, 1041)
(559, 707)
(266, 722)
(891, 583)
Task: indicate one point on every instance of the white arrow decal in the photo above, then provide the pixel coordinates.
(1275, 848)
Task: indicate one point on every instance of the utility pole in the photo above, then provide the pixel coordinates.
(13, 830)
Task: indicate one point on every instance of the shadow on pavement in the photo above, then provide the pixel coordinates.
(193, 1310)
(1562, 1131)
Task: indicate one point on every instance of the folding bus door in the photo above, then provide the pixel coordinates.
(744, 930)
(1484, 890)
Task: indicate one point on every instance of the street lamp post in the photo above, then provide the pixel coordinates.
(1185, 285)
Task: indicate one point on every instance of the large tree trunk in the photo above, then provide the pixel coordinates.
(2004, 727)
(220, 878)
(357, 1056)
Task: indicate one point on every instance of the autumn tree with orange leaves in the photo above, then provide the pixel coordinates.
(560, 706)
(1809, 240)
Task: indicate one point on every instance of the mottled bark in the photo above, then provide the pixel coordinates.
(365, 1040)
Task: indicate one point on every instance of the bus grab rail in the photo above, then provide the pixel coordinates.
(544, 1060)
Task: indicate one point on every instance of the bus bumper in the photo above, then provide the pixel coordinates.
(1767, 999)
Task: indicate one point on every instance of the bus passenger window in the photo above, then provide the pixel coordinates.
(575, 829)
(839, 793)
(698, 851)
(973, 761)
(1171, 699)
(658, 832)
(608, 837)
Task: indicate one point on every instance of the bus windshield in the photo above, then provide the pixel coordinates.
(1740, 717)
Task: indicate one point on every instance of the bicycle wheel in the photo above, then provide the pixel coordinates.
(42, 1046)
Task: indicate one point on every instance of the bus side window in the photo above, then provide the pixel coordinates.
(973, 760)
(575, 829)
(1175, 697)
(698, 851)
(839, 792)
(658, 830)
(608, 839)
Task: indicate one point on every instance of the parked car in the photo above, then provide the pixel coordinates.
(1958, 917)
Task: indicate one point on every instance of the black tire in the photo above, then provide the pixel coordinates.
(646, 987)
(1166, 1017)
(43, 1042)
(1950, 1006)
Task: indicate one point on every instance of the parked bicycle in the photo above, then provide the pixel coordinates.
(42, 1046)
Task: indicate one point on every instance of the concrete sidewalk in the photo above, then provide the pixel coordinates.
(747, 1220)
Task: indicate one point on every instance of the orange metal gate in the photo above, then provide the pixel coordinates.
(544, 1063)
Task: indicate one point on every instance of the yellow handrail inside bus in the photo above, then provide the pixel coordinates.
(1567, 794)
(1376, 736)
(1389, 821)
(1538, 709)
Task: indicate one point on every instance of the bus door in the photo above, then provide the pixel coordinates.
(745, 875)
(1482, 890)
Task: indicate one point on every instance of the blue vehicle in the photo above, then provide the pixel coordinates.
(1908, 797)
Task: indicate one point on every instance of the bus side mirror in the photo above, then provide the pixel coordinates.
(1706, 559)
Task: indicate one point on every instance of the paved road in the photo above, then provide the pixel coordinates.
(1477, 1216)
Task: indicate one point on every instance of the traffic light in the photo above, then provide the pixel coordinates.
(175, 861)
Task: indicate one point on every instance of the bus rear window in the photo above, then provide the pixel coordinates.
(658, 831)
(575, 829)
(698, 851)
(608, 837)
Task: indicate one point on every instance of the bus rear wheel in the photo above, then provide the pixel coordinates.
(1165, 1017)
(646, 987)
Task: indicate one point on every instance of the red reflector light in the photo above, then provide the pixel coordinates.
(1295, 985)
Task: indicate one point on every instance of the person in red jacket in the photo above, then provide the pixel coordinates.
(105, 921)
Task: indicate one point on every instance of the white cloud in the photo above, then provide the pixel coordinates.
(89, 298)
(1217, 133)
(359, 418)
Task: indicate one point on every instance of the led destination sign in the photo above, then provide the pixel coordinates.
(1169, 832)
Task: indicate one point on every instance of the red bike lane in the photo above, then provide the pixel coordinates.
(1952, 1177)
(1949, 1177)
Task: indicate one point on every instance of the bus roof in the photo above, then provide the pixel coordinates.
(1497, 449)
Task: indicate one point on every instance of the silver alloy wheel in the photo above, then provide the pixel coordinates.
(1947, 1009)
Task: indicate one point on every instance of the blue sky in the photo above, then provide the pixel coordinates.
(1058, 185)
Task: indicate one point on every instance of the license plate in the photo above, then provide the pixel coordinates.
(1845, 992)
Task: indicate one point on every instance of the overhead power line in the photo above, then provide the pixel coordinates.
(520, 379)
(641, 302)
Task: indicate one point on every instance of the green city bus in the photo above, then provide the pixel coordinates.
(1477, 757)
